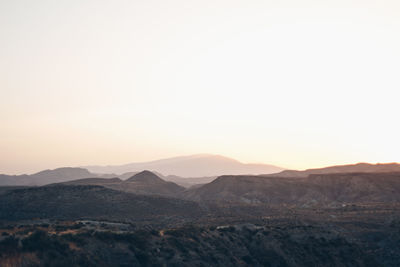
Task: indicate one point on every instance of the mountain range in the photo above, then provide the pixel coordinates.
(45, 177)
(200, 165)
(359, 167)
(335, 216)
(203, 163)
(185, 171)
(146, 193)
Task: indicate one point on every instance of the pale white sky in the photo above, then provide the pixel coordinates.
(298, 84)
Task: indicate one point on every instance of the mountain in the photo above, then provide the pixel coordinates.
(318, 189)
(182, 181)
(46, 177)
(15, 180)
(359, 167)
(145, 177)
(143, 183)
(204, 168)
(148, 183)
(201, 165)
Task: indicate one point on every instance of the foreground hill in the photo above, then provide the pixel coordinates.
(144, 183)
(202, 165)
(46, 177)
(323, 189)
(236, 245)
(359, 167)
(92, 202)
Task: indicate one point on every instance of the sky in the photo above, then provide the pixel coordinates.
(298, 84)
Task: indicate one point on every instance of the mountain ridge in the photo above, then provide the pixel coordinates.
(316, 189)
(355, 168)
(46, 177)
(198, 165)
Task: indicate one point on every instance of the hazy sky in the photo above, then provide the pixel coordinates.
(297, 84)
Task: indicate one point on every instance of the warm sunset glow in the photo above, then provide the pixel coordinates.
(298, 84)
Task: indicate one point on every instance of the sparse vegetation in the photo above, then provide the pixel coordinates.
(243, 245)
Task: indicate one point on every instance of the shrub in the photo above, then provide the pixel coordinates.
(247, 259)
(9, 245)
(40, 241)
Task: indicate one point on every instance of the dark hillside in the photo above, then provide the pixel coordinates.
(95, 202)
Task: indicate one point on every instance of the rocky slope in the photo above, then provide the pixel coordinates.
(323, 189)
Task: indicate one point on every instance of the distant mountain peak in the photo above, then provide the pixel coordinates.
(145, 176)
(198, 165)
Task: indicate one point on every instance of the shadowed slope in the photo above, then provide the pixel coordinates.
(86, 201)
